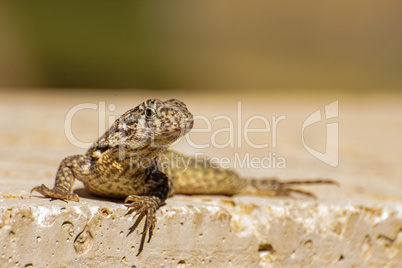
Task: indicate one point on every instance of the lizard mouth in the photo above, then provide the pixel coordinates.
(188, 124)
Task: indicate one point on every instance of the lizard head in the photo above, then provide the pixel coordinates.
(155, 123)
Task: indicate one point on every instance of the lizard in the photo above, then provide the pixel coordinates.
(132, 161)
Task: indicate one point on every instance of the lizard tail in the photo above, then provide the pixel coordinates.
(315, 181)
(275, 187)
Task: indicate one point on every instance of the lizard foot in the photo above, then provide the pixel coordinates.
(55, 193)
(143, 206)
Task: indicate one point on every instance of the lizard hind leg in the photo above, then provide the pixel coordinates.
(143, 206)
(302, 192)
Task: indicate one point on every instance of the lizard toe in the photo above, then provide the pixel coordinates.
(55, 193)
(143, 206)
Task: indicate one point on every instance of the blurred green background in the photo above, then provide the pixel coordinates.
(318, 45)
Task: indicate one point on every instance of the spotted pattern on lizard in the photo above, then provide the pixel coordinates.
(131, 161)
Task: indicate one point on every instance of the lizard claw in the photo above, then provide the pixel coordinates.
(144, 206)
(55, 193)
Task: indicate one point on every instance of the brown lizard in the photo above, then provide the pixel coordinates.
(131, 161)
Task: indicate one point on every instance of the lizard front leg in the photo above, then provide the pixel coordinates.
(69, 168)
(147, 205)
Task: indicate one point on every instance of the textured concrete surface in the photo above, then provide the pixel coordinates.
(241, 231)
(358, 224)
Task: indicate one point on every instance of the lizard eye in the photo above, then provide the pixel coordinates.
(149, 112)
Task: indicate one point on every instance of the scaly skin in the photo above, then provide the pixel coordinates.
(189, 175)
(131, 161)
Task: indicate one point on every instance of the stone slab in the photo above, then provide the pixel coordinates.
(355, 225)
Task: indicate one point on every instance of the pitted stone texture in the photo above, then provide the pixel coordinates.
(358, 224)
(201, 231)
